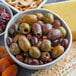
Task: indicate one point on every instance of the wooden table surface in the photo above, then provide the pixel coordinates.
(22, 71)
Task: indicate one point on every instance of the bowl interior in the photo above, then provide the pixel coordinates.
(32, 11)
(2, 5)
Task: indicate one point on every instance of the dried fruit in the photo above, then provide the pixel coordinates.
(10, 71)
(4, 63)
(10, 59)
(3, 52)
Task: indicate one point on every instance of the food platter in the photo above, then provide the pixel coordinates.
(23, 71)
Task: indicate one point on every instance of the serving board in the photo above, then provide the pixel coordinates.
(23, 71)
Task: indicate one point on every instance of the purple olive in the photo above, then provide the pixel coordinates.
(55, 42)
(34, 41)
(9, 41)
(45, 56)
(3, 26)
(26, 54)
(41, 62)
(54, 34)
(37, 30)
(31, 61)
(12, 30)
(20, 57)
(29, 36)
(46, 28)
(65, 43)
(41, 23)
(35, 62)
(49, 60)
(56, 23)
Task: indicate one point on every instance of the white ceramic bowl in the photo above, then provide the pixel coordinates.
(17, 16)
(16, 10)
(2, 5)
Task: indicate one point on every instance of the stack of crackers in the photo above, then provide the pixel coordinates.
(65, 67)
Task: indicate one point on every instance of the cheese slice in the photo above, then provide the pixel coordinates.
(67, 10)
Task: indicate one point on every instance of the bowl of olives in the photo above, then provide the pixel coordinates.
(37, 38)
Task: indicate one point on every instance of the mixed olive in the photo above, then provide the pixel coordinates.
(37, 39)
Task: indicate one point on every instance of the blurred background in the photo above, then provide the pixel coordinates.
(51, 1)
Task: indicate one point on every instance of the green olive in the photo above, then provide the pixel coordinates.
(57, 51)
(34, 52)
(49, 18)
(24, 28)
(14, 49)
(24, 43)
(46, 45)
(20, 20)
(39, 44)
(63, 30)
(32, 18)
(40, 16)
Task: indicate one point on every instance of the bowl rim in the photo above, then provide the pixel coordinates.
(11, 14)
(44, 65)
(16, 10)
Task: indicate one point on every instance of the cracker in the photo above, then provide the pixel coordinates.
(24, 4)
